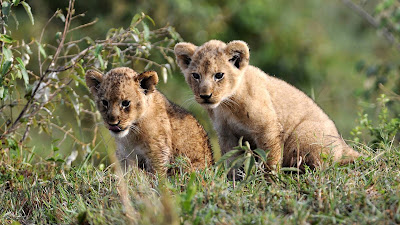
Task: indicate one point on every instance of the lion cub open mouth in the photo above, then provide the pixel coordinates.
(117, 131)
(149, 130)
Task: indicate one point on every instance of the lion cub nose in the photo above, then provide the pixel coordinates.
(206, 97)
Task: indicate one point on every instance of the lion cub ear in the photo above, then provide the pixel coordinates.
(184, 52)
(239, 53)
(93, 81)
(148, 81)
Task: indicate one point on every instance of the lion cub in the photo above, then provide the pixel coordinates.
(269, 113)
(146, 126)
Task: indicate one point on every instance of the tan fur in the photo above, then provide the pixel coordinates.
(154, 130)
(268, 112)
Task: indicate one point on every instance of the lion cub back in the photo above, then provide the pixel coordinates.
(270, 114)
(189, 137)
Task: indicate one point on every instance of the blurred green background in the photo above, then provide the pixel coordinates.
(314, 45)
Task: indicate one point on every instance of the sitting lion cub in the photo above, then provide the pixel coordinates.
(269, 113)
(146, 126)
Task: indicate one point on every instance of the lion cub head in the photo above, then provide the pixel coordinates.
(121, 96)
(213, 70)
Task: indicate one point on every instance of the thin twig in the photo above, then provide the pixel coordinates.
(76, 41)
(79, 15)
(145, 60)
(371, 20)
(19, 46)
(40, 41)
(84, 25)
(42, 76)
(69, 134)
(28, 128)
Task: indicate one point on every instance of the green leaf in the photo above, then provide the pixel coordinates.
(58, 35)
(147, 67)
(6, 66)
(101, 62)
(28, 11)
(6, 39)
(236, 163)
(41, 49)
(61, 16)
(16, 2)
(289, 169)
(89, 41)
(55, 148)
(164, 74)
(248, 165)
(25, 76)
(21, 66)
(20, 61)
(135, 19)
(1, 92)
(240, 142)
(146, 31)
(5, 8)
(118, 51)
(190, 193)
(227, 156)
(77, 78)
(151, 20)
(12, 143)
(173, 33)
(262, 154)
(97, 50)
(79, 69)
(7, 54)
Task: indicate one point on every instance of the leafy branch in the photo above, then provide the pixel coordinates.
(56, 74)
(377, 22)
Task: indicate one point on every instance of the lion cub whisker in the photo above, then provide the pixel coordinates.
(148, 128)
(243, 101)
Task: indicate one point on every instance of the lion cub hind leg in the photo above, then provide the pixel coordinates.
(349, 155)
(312, 141)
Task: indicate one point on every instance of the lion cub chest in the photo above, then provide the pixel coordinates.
(228, 123)
(129, 150)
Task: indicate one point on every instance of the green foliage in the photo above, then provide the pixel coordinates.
(42, 91)
(388, 14)
(52, 73)
(385, 132)
(383, 76)
(367, 191)
(242, 156)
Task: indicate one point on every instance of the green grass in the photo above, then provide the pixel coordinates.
(366, 192)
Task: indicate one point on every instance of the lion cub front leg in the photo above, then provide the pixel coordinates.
(227, 141)
(159, 157)
(269, 139)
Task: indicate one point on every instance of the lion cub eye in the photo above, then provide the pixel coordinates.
(125, 103)
(196, 76)
(104, 102)
(218, 76)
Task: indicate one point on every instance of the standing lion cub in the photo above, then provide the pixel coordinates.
(146, 126)
(269, 113)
